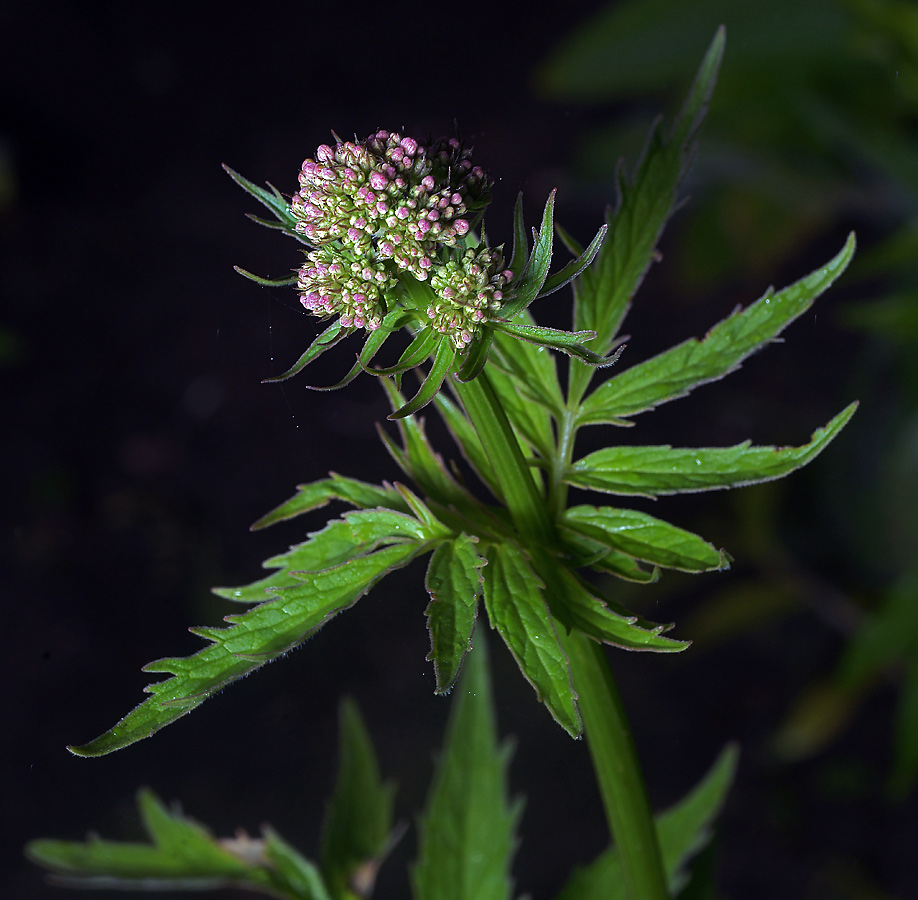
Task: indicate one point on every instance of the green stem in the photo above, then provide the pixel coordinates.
(608, 736)
(617, 769)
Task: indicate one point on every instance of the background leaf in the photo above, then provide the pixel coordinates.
(357, 830)
(467, 832)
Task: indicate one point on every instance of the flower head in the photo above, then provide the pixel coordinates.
(390, 194)
(332, 282)
(469, 289)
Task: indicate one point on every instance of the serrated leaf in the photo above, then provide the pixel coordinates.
(657, 470)
(454, 584)
(683, 831)
(336, 487)
(646, 538)
(578, 605)
(357, 829)
(252, 639)
(677, 371)
(645, 203)
(467, 832)
(518, 612)
(353, 535)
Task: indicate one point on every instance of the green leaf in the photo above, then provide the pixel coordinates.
(533, 278)
(266, 282)
(454, 584)
(653, 471)
(467, 832)
(692, 363)
(518, 612)
(181, 855)
(441, 367)
(683, 831)
(336, 487)
(272, 199)
(646, 538)
(417, 458)
(252, 639)
(295, 875)
(469, 443)
(567, 342)
(574, 267)
(534, 370)
(646, 201)
(593, 553)
(357, 831)
(332, 335)
(578, 605)
(355, 534)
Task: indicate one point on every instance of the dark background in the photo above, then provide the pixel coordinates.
(138, 445)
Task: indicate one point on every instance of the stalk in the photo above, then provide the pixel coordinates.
(608, 736)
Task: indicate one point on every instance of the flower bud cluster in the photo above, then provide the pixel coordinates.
(469, 288)
(335, 283)
(391, 194)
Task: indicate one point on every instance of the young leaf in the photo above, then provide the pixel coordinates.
(653, 471)
(334, 334)
(467, 832)
(536, 271)
(181, 855)
(272, 199)
(357, 831)
(252, 639)
(645, 204)
(574, 267)
(518, 612)
(683, 831)
(646, 538)
(692, 363)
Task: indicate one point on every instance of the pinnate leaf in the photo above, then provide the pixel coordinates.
(657, 470)
(252, 639)
(675, 372)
